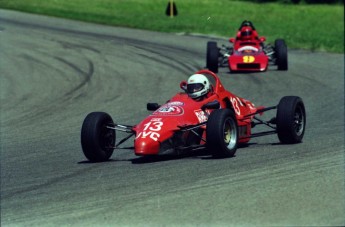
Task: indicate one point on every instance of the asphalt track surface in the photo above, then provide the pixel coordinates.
(54, 72)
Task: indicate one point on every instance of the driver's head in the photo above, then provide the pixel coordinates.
(246, 23)
(197, 86)
(246, 32)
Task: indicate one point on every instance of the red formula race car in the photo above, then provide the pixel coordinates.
(248, 52)
(219, 123)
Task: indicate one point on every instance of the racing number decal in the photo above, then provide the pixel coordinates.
(248, 59)
(235, 105)
(157, 126)
(151, 129)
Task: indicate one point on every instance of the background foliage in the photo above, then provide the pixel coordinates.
(306, 26)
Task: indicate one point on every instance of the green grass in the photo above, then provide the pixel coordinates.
(313, 27)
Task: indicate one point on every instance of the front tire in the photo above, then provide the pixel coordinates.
(291, 120)
(222, 133)
(97, 140)
(212, 57)
(281, 54)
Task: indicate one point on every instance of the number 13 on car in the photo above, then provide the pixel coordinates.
(151, 129)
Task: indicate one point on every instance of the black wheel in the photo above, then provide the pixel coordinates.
(212, 57)
(97, 140)
(281, 54)
(291, 120)
(222, 133)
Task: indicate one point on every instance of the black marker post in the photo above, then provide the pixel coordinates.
(171, 9)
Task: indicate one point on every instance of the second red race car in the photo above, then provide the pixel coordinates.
(203, 116)
(248, 52)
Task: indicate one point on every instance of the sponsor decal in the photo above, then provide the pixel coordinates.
(156, 119)
(170, 109)
(251, 105)
(201, 115)
(176, 103)
(248, 49)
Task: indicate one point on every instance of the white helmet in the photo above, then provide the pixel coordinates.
(197, 86)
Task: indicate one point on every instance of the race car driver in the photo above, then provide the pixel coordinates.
(247, 31)
(198, 87)
(246, 23)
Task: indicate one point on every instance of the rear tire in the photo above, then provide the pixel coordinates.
(97, 140)
(212, 57)
(281, 54)
(222, 133)
(291, 120)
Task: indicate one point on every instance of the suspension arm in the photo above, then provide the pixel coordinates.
(261, 134)
(191, 127)
(261, 111)
(123, 128)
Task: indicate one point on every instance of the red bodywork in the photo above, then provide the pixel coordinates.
(248, 55)
(160, 128)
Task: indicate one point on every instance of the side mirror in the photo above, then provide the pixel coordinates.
(183, 85)
(211, 105)
(152, 106)
(262, 39)
(232, 40)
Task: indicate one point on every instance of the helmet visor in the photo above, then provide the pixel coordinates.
(246, 33)
(191, 88)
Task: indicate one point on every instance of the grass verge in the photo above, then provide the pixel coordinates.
(313, 27)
